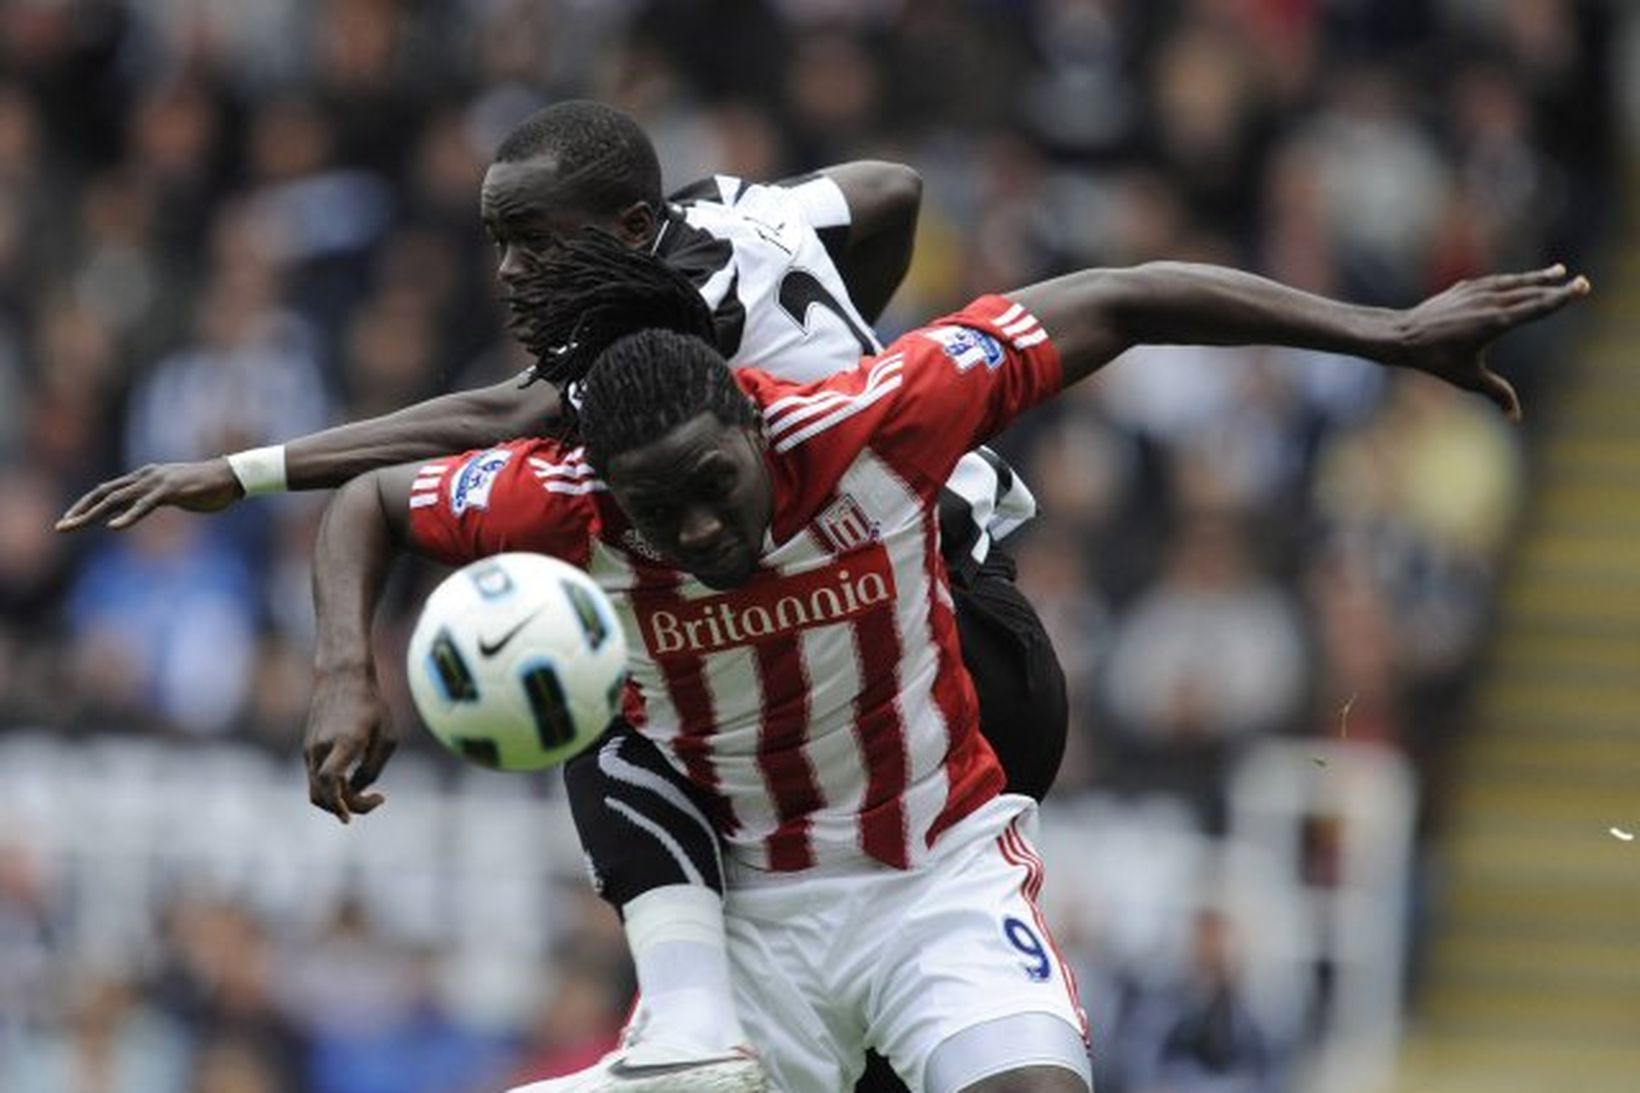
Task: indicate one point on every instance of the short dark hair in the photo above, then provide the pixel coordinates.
(604, 159)
(644, 385)
(592, 290)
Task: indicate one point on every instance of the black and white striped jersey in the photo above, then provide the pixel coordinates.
(763, 259)
(757, 254)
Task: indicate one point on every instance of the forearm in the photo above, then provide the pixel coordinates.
(451, 423)
(1095, 315)
(351, 559)
(1185, 303)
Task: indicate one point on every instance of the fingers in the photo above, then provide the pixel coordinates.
(1525, 305)
(136, 510)
(339, 777)
(365, 774)
(330, 781)
(95, 503)
(327, 764)
(1549, 275)
(1502, 393)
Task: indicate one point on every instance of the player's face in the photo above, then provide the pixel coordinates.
(701, 496)
(527, 215)
(528, 212)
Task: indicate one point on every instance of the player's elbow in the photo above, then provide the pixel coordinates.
(507, 410)
(882, 196)
(359, 498)
(1124, 297)
(901, 193)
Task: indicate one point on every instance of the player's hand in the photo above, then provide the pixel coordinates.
(349, 740)
(206, 486)
(1447, 335)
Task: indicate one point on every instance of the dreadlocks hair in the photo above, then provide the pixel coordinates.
(568, 307)
(603, 159)
(647, 384)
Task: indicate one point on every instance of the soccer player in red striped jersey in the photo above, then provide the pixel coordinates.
(792, 273)
(773, 551)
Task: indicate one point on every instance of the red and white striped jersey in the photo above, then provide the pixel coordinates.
(823, 702)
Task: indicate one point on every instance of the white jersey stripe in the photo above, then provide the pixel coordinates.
(1031, 339)
(794, 417)
(564, 470)
(797, 416)
(1014, 311)
(554, 486)
(855, 406)
(1019, 327)
(787, 412)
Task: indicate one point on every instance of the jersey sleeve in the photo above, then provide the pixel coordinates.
(523, 495)
(933, 395)
(821, 201)
(963, 379)
(787, 207)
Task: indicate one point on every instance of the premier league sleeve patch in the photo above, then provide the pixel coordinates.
(966, 346)
(471, 489)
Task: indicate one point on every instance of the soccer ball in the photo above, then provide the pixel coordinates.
(517, 662)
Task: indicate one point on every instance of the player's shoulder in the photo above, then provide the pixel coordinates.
(730, 192)
(729, 206)
(831, 410)
(979, 333)
(713, 189)
(503, 453)
(528, 464)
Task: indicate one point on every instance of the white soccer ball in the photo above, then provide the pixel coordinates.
(517, 662)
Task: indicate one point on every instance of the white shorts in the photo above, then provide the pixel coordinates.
(826, 965)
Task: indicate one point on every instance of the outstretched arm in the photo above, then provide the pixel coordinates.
(1095, 315)
(349, 733)
(450, 423)
(883, 202)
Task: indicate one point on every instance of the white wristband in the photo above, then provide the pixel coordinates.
(260, 470)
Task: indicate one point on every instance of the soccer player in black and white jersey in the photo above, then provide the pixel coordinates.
(792, 273)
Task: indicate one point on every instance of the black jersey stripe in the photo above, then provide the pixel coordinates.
(1005, 473)
(700, 256)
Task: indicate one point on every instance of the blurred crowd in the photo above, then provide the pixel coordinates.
(222, 225)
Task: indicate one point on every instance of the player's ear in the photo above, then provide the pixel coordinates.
(636, 224)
